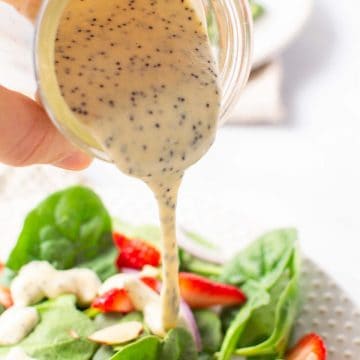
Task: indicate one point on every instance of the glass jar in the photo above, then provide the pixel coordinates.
(230, 31)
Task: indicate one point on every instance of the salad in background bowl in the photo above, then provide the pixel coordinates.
(81, 285)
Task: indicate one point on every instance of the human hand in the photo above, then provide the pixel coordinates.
(27, 136)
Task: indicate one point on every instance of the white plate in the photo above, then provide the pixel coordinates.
(282, 22)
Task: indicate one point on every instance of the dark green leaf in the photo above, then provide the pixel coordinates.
(286, 312)
(146, 348)
(271, 265)
(262, 321)
(178, 345)
(68, 228)
(209, 325)
(257, 297)
(264, 261)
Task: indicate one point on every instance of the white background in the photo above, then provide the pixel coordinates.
(305, 173)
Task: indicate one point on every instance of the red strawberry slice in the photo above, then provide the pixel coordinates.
(135, 253)
(150, 282)
(310, 347)
(200, 292)
(117, 300)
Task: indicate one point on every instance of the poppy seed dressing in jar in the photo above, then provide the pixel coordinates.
(140, 75)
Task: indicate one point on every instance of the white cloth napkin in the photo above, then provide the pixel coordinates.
(261, 101)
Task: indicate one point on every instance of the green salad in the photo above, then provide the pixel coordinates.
(79, 280)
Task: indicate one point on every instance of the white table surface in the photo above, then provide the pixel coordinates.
(305, 173)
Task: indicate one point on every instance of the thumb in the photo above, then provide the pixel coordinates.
(27, 136)
(28, 8)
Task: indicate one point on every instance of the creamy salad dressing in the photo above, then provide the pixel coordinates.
(141, 76)
(39, 279)
(16, 323)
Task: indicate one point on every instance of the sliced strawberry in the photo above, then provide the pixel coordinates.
(117, 300)
(200, 292)
(150, 282)
(310, 347)
(135, 253)
(5, 297)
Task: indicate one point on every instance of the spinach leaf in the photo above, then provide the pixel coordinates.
(68, 228)
(209, 325)
(146, 348)
(62, 332)
(261, 323)
(257, 297)
(178, 345)
(271, 267)
(286, 312)
(263, 261)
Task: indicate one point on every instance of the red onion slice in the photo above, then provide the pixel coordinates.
(188, 317)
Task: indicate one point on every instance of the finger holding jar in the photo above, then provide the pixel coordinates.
(28, 8)
(27, 136)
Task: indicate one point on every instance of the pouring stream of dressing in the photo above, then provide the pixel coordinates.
(141, 76)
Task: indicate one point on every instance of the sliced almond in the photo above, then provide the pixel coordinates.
(118, 334)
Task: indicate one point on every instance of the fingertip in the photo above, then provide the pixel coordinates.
(75, 161)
